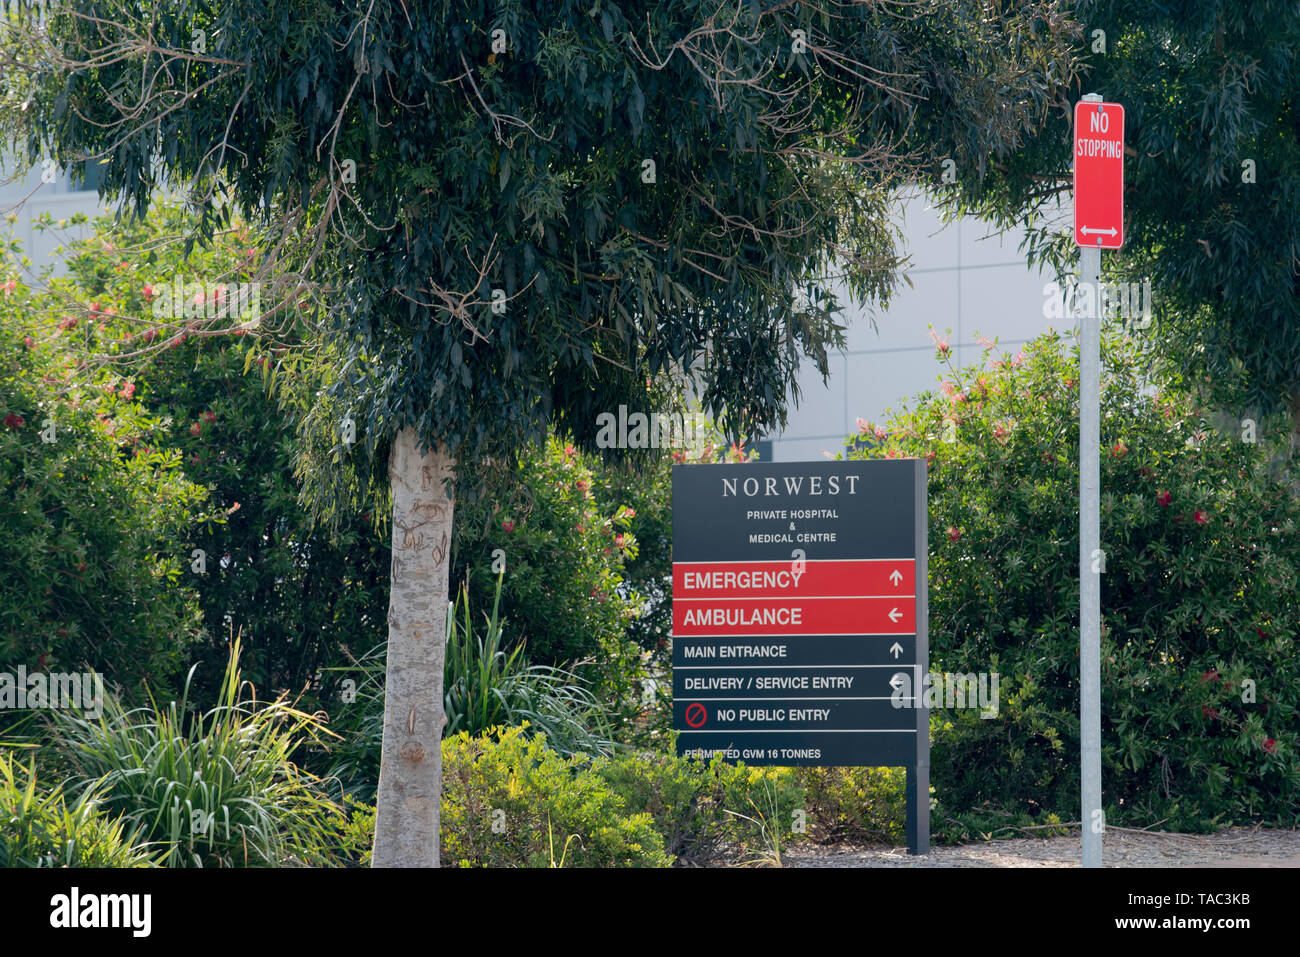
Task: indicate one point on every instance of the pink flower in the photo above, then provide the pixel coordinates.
(1017, 360)
(13, 421)
(1118, 449)
(881, 433)
(508, 525)
(582, 485)
(1270, 745)
(954, 533)
(10, 286)
(568, 451)
(618, 540)
(148, 293)
(863, 425)
(1165, 499)
(29, 342)
(209, 416)
(128, 390)
(196, 429)
(631, 513)
(68, 322)
(940, 343)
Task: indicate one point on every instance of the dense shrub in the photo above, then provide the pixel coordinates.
(299, 597)
(95, 509)
(214, 790)
(1199, 589)
(509, 801)
(705, 810)
(488, 682)
(563, 553)
(39, 829)
(857, 805)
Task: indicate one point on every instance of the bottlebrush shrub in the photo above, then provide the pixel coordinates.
(564, 549)
(92, 524)
(304, 597)
(1199, 595)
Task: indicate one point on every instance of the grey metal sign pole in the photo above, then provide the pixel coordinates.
(918, 777)
(1090, 556)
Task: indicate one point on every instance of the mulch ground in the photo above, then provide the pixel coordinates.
(1231, 847)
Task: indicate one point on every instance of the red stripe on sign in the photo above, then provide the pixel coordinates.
(794, 578)
(793, 616)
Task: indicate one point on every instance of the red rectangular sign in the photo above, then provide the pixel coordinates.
(1099, 174)
(700, 617)
(892, 577)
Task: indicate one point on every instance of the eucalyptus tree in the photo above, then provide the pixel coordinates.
(1211, 92)
(521, 215)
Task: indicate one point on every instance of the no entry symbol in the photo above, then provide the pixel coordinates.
(696, 714)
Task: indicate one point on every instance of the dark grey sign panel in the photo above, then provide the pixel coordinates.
(799, 594)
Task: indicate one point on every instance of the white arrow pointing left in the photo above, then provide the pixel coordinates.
(895, 614)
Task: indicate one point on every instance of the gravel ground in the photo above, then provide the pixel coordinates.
(1231, 847)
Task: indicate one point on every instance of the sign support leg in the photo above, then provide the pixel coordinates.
(918, 810)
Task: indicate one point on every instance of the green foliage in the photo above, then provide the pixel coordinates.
(564, 549)
(356, 835)
(857, 805)
(94, 524)
(1198, 596)
(509, 801)
(523, 171)
(299, 597)
(214, 790)
(486, 684)
(1210, 92)
(41, 830)
(705, 810)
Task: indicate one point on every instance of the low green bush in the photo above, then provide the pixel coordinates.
(706, 810)
(855, 805)
(42, 830)
(510, 801)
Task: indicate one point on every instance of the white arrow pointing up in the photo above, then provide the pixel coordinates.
(896, 577)
(1103, 232)
(895, 614)
(896, 649)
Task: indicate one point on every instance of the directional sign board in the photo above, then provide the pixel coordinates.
(1099, 175)
(799, 612)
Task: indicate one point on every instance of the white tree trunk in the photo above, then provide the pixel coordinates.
(410, 770)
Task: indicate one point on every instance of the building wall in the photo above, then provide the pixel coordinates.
(965, 278)
(27, 198)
